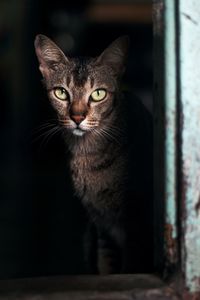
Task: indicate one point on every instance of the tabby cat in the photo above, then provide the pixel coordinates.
(109, 136)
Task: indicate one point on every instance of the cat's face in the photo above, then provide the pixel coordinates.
(82, 91)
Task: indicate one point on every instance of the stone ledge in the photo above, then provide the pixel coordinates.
(111, 287)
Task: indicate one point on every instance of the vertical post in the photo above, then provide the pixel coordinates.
(170, 102)
(158, 35)
(177, 110)
(165, 106)
(189, 52)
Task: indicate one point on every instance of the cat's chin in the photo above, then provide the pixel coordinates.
(78, 132)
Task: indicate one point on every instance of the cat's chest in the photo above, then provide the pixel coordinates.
(92, 174)
(83, 174)
(80, 174)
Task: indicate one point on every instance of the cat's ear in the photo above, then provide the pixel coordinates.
(49, 55)
(115, 55)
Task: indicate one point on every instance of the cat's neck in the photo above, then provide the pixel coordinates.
(89, 144)
(93, 143)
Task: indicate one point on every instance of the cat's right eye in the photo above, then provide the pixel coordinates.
(61, 93)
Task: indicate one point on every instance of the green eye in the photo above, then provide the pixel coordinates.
(98, 95)
(61, 93)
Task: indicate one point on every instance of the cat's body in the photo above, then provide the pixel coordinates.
(111, 150)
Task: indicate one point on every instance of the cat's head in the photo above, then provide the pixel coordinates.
(82, 90)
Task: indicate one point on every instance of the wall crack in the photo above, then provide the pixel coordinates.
(188, 17)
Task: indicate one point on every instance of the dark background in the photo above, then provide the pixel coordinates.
(41, 223)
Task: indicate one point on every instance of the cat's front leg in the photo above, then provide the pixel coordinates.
(90, 249)
(109, 252)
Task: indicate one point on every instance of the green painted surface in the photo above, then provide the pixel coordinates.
(189, 47)
(170, 92)
(170, 113)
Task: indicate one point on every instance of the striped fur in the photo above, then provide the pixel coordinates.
(111, 151)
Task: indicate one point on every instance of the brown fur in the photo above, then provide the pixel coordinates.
(99, 163)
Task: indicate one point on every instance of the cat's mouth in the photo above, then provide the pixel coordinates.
(78, 132)
(82, 129)
(78, 129)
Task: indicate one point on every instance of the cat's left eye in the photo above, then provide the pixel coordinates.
(98, 95)
(61, 93)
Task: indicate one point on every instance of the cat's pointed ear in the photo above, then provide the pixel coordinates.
(115, 55)
(49, 55)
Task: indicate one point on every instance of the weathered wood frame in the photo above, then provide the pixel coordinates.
(177, 107)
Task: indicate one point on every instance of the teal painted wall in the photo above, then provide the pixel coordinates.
(189, 64)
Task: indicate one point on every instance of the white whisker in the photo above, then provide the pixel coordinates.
(49, 135)
(103, 132)
(116, 130)
(42, 127)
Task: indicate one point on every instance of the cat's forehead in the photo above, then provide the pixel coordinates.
(84, 73)
(81, 74)
(80, 71)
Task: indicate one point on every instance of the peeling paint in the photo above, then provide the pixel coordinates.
(170, 245)
(188, 296)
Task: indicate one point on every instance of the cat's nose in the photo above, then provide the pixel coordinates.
(77, 118)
